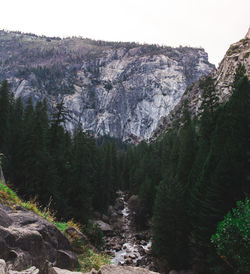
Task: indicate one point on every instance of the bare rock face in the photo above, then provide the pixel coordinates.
(56, 270)
(116, 89)
(31, 270)
(5, 270)
(3, 267)
(27, 239)
(223, 77)
(111, 269)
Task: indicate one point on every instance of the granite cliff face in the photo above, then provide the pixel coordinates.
(116, 89)
(223, 78)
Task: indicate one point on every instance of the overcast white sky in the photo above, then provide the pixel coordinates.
(211, 24)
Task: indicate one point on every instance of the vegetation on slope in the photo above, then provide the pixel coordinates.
(186, 182)
(41, 159)
(192, 177)
(88, 258)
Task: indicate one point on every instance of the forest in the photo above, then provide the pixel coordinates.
(187, 182)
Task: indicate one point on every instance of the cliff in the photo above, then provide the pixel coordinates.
(116, 89)
(223, 78)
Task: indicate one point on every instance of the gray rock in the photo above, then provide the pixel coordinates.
(31, 270)
(111, 269)
(119, 205)
(3, 268)
(57, 270)
(105, 218)
(132, 256)
(5, 220)
(66, 259)
(103, 226)
(30, 240)
(223, 78)
(76, 234)
(117, 89)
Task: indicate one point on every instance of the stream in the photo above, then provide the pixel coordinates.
(123, 242)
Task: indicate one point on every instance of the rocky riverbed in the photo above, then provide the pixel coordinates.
(123, 242)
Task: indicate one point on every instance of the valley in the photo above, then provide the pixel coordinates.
(122, 158)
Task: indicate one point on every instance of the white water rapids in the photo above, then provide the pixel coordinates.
(131, 251)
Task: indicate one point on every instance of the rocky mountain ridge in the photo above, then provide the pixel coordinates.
(223, 77)
(116, 89)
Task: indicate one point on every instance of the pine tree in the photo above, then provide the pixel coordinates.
(81, 172)
(169, 242)
(5, 105)
(15, 157)
(223, 179)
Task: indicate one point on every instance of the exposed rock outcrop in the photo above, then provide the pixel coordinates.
(4, 269)
(116, 89)
(57, 270)
(112, 269)
(223, 77)
(33, 270)
(27, 239)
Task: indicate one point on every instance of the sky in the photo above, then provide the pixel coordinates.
(211, 24)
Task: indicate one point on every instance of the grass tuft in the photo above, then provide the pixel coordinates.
(9, 197)
(89, 259)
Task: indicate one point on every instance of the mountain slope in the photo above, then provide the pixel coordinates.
(223, 77)
(118, 89)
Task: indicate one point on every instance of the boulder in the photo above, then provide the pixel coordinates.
(103, 226)
(119, 204)
(76, 234)
(3, 268)
(56, 270)
(128, 261)
(105, 218)
(31, 270)
(27, 239)
(5, 220)
(112, 269)
(66, 259)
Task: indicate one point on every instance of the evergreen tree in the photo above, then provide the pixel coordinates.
(224, 175)
(169, 242)
(15, 141)
(5, 105)
(81, 176)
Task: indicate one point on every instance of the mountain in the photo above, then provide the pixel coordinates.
(223, 77)
(111, 88)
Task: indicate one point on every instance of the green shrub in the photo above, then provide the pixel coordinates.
(232, 238)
